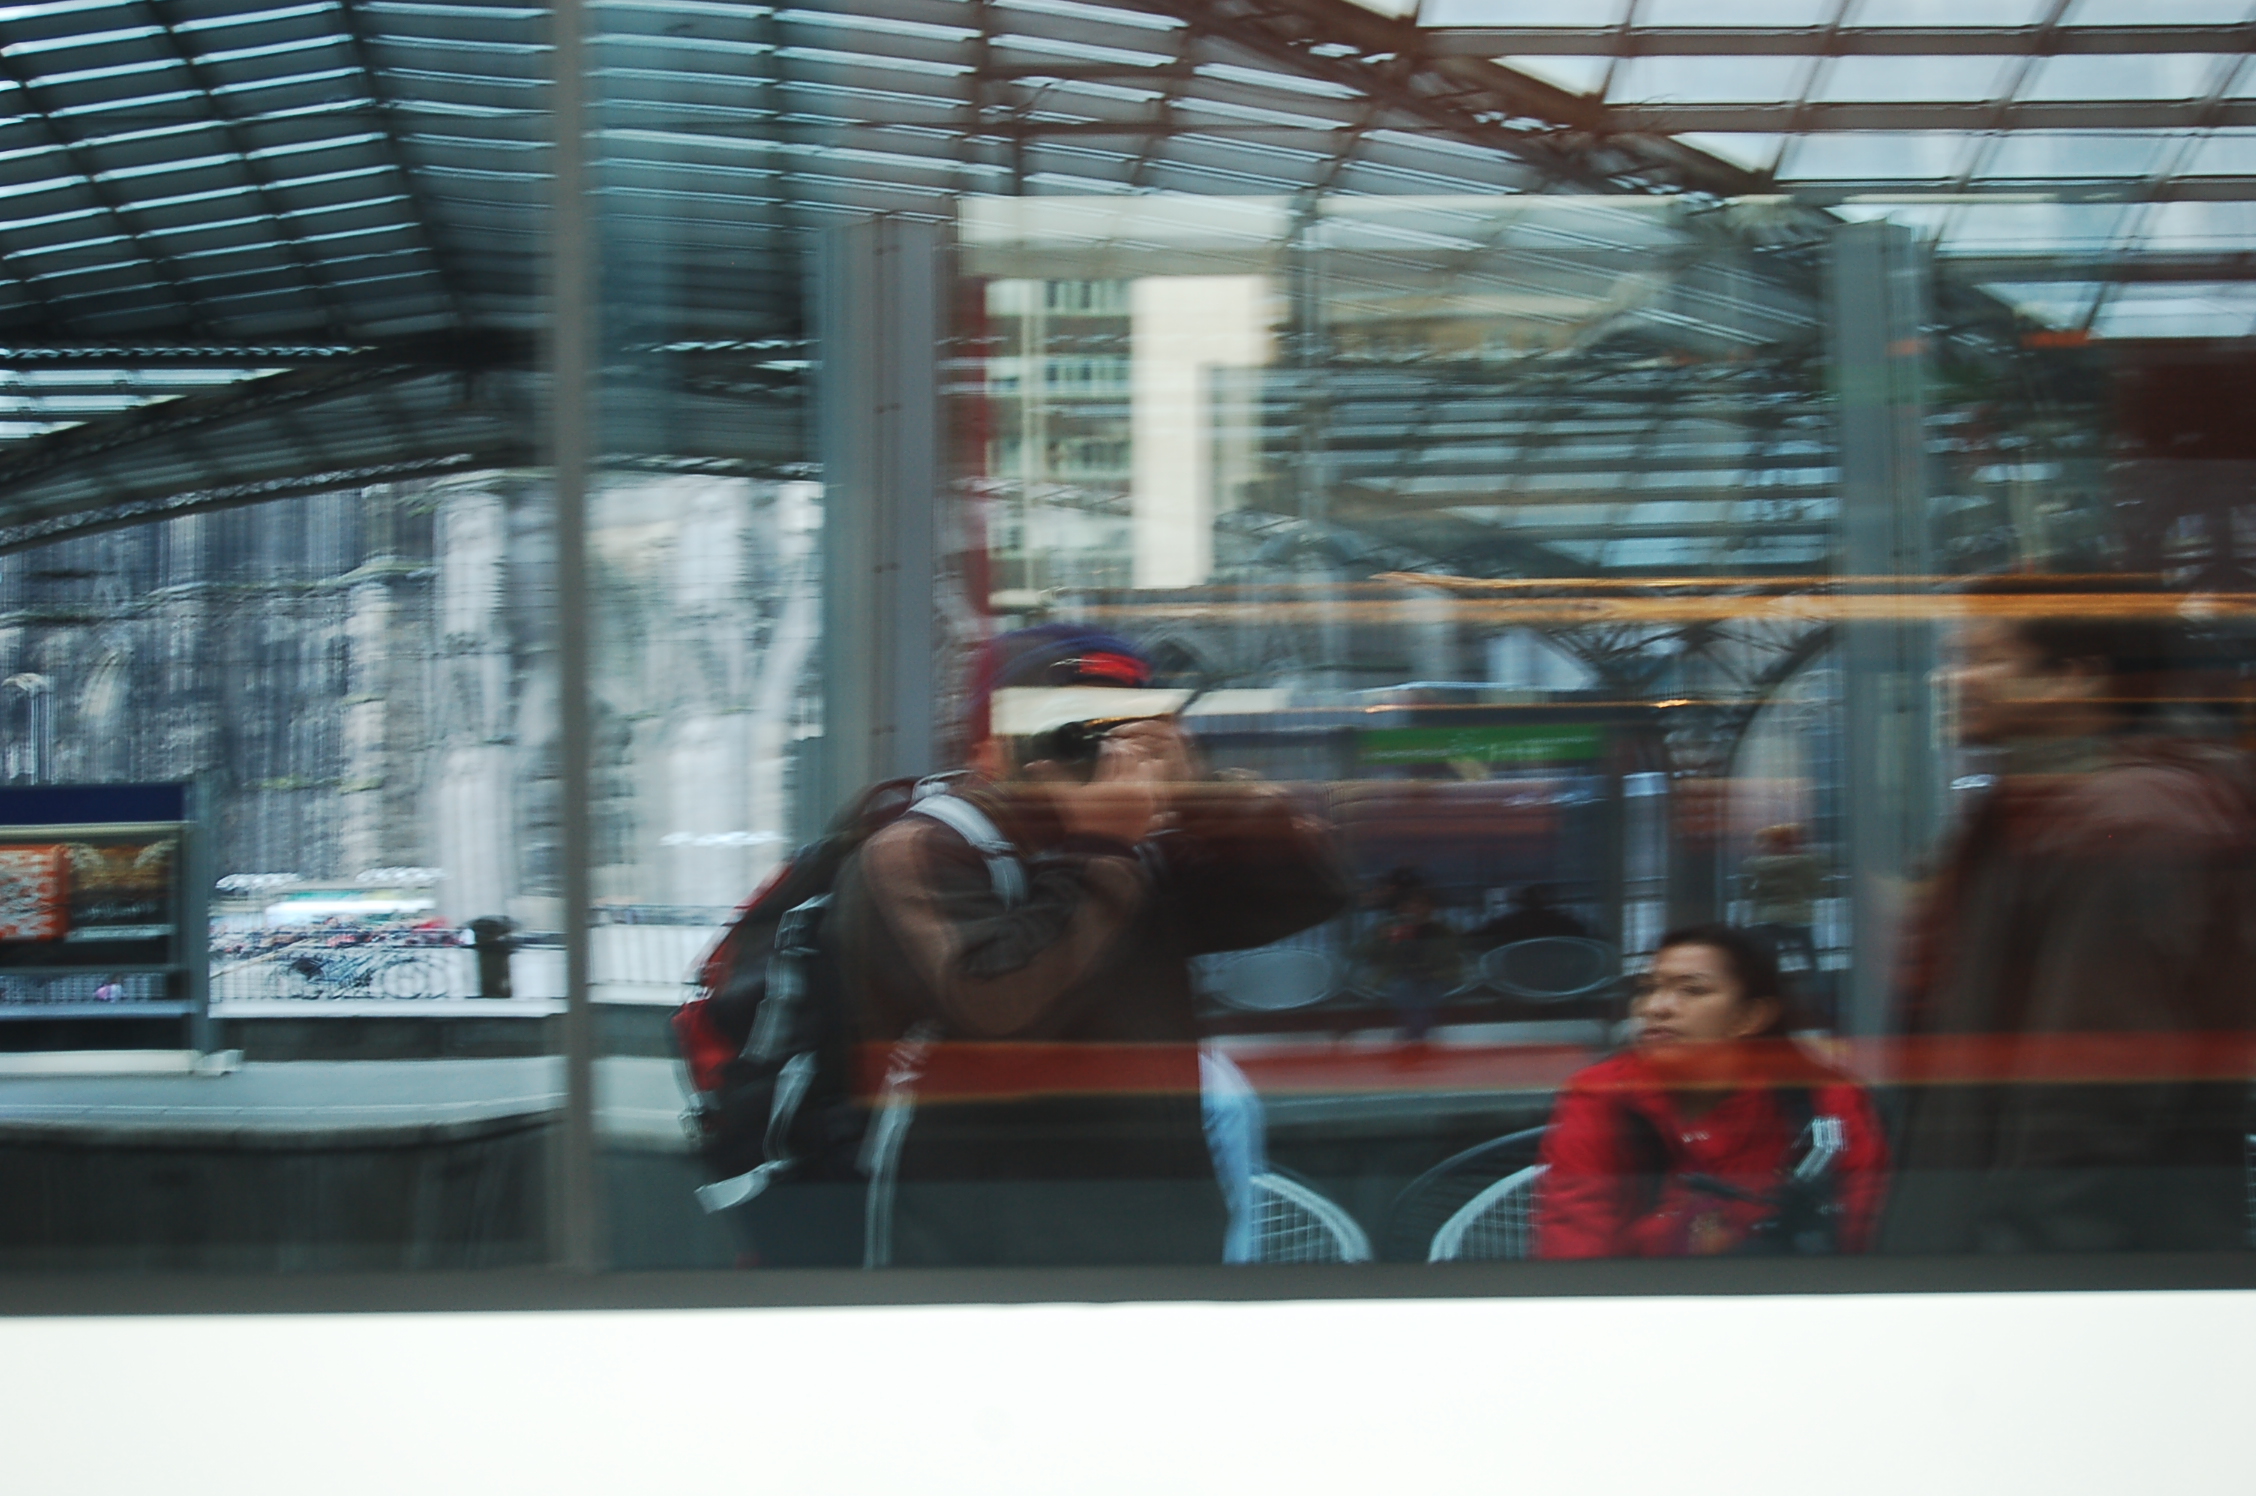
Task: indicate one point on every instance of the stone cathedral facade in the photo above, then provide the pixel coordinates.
(365, 681)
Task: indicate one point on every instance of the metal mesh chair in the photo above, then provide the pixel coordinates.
(1295, 1223)
(1496, 1225)
(1435, 1197)
(1273, 979)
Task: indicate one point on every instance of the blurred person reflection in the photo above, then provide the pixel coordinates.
(1532, 916)
(1040, 1101)
(1781, 883)
(1412, 957)
(2079, 983)
(1714, 1132)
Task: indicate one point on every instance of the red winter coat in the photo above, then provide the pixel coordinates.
(1598, 1197)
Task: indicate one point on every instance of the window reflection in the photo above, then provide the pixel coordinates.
(1274, 729)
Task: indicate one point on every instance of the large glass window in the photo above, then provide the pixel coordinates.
(1021, 633)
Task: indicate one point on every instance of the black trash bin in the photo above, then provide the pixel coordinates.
(493, 937)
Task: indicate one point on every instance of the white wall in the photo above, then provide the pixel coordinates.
(1182, 329)
(1977, 1394)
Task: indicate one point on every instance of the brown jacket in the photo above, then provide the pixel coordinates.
(1043, 1053)
(2080, 997)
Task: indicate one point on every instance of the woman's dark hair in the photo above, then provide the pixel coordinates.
(1754, 966)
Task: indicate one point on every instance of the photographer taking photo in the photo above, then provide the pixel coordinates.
(1030, 1040)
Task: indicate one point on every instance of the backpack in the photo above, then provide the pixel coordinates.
(1805, 1210)
(768, 1038)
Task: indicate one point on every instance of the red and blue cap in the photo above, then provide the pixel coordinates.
(1050, 669)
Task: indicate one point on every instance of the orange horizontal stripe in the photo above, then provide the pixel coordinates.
(1796, 608)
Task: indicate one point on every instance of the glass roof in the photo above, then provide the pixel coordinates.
(2112, 139)
(311, 228)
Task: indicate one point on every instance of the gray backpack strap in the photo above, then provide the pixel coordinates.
(970, 822)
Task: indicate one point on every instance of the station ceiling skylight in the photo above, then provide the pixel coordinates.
(310, 230)
(2083, 145)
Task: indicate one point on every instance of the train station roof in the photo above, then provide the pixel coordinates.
(253, 249)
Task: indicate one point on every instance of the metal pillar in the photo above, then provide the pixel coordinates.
(878, 314)
(576, 1240)
(1876, 300)
(199, 854)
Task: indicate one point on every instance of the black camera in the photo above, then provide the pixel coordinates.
(1076, 745)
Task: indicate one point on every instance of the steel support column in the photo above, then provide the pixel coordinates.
(1876, 297)
(878, 310)
(576, 1241)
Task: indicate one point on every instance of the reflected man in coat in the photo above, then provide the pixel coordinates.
(2080, 984)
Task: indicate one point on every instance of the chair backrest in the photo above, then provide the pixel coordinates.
(1551, 968)
(1496, 1225)
(1428, 1202)
(1295, 1223)
(1273, 979)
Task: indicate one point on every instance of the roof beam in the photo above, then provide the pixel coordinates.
(1732, 529)
(1576, 140)
(2139, 267)
(1994, 190)
(1820, 41)
(1498, 494)
(2081, 114)
(45, 530)
(42, 456)
(354, 30)
(489, 350)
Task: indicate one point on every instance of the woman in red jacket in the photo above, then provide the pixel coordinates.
(1714, 1132)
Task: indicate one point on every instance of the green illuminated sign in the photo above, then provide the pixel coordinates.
(1569, 742)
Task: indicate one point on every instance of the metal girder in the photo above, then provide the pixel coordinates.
(1575, 140)
(1609, 495)
(44, 455)
(1438, 455)
(1545, 533)
(193, 424)
(354, 33)
(1847, 41)
(1382, 543)
(70, 354)
(313, 372)
(454, 353)
(2080, 114)
(2139, 267)
(1452, 540)
(1996, 190)
(138, 511)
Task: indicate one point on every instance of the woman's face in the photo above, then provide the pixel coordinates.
(1691, 997)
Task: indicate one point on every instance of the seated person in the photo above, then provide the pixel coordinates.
(1414, 958)
(1695, 1140)
(1532, 916)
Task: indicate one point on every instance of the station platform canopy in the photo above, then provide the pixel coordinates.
(253, 250)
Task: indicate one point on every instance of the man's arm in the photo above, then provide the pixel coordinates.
(1246, 867)
(1000, 971)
